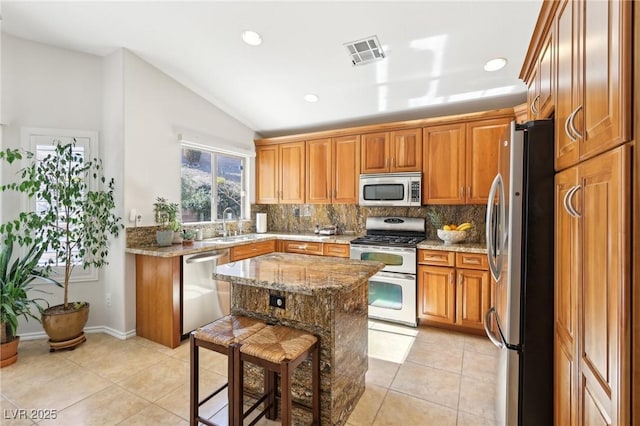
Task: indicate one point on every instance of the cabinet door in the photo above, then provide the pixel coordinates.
(473, 297)
(436, 294)
(346, 171)
(375, 153)
(567, 84)
(603, 203)
(267, 166)
(605, 40)
(301, 247)
(483, 142)
(532, 94)
(335, 250)
(319, 164)
(565, 301)
(444, 164)
(292, 165)
(406, 150)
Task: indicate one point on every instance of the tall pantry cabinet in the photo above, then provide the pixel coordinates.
(594, 148)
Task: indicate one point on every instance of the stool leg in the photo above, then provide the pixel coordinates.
(270, 387)
(231, 360)
(237, 381)
(193, 378)
(285, 393)
(315, 385)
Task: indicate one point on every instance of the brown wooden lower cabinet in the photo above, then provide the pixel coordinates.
(336, 250)
(453, 296)
(300, 247)
(251, 250)
(592, 291)
(158, 299)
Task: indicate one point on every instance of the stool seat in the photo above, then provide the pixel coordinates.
(228, 330)
(277, 343)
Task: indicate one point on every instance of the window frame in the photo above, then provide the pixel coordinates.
(29, 141)
(244, 180)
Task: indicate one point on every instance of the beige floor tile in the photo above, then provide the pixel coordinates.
(389, 346)
(59, 392)
(480, 366)
(368, 406)
(381, 373)
(431, 384)
(177, 401)
(442, 337)
(154, 415)
(434, 355)
(480, 344)
(477, 397)
(151, 345)
(398, 409)
(33, 371)
(106, 407)
(158, 380)
(12, 415)
(466, 419)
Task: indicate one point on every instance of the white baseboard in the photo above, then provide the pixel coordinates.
(88, 330)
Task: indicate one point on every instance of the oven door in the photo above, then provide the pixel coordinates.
(392, 297)
(395, 259)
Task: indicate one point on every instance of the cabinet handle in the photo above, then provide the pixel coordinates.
(532, 107)
(569, 201)
(451, 278)
(461, 192)
(571, 123)
(460, 279)
(471, 260)
(433, 258)
(468, 192)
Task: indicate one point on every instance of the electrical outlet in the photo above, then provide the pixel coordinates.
(277, 301)
(108, 299)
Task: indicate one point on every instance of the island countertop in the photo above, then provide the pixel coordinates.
(299, 273)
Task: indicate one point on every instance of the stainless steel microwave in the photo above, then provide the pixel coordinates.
(391, 189)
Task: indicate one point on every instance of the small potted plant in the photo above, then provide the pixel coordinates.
(16, 275)
(166, 215)
(188, 235)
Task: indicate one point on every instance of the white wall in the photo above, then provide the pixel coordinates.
(49, 87)
(138, 112)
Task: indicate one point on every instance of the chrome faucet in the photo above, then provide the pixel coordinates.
(224, 220)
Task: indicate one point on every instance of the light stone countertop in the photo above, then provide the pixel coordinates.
(459, 247)
(222, 243)
(299, 273)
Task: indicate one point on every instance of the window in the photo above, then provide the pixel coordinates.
(211, 182)
(42, 143)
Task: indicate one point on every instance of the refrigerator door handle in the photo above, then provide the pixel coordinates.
(499, 341)
(494, 252)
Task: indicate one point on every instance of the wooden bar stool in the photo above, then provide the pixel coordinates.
(279, 350)
(223, 336)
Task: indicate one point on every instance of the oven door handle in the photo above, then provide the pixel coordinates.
(396, 275)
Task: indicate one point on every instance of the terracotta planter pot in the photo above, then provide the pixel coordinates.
(9, 352)
(61, 325)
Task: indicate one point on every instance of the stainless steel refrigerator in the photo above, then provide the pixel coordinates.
(520, 233)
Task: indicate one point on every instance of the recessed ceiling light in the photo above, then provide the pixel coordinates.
(495, 64)
(310, 97)
(252, 38)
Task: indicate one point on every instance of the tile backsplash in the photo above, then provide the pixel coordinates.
(349, 219)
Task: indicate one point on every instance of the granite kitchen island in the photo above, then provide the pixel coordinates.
(322, 295)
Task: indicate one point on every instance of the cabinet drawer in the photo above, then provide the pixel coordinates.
(472, 261)
(252, 250)
(337, 250)
(302, 247)
(436, 257)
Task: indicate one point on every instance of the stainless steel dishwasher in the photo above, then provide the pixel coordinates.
(203, 299)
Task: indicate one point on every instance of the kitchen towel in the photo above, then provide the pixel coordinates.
(261, 223)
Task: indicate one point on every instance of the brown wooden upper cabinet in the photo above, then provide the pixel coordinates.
(540, 94)
(280, 173)
(461, 160)
(332, 170)
(593, 78)
(391, 152)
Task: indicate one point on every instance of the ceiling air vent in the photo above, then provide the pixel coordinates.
(365, 50)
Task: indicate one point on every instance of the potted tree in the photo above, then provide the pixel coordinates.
(166, 215)
(75, 220)
(16, 276)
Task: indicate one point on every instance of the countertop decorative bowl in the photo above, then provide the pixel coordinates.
(451, 237)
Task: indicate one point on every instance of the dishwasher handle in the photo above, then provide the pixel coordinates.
(205, 257)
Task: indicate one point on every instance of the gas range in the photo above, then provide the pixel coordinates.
(393, 232)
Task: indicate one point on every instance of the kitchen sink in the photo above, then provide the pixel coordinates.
(234, 238)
